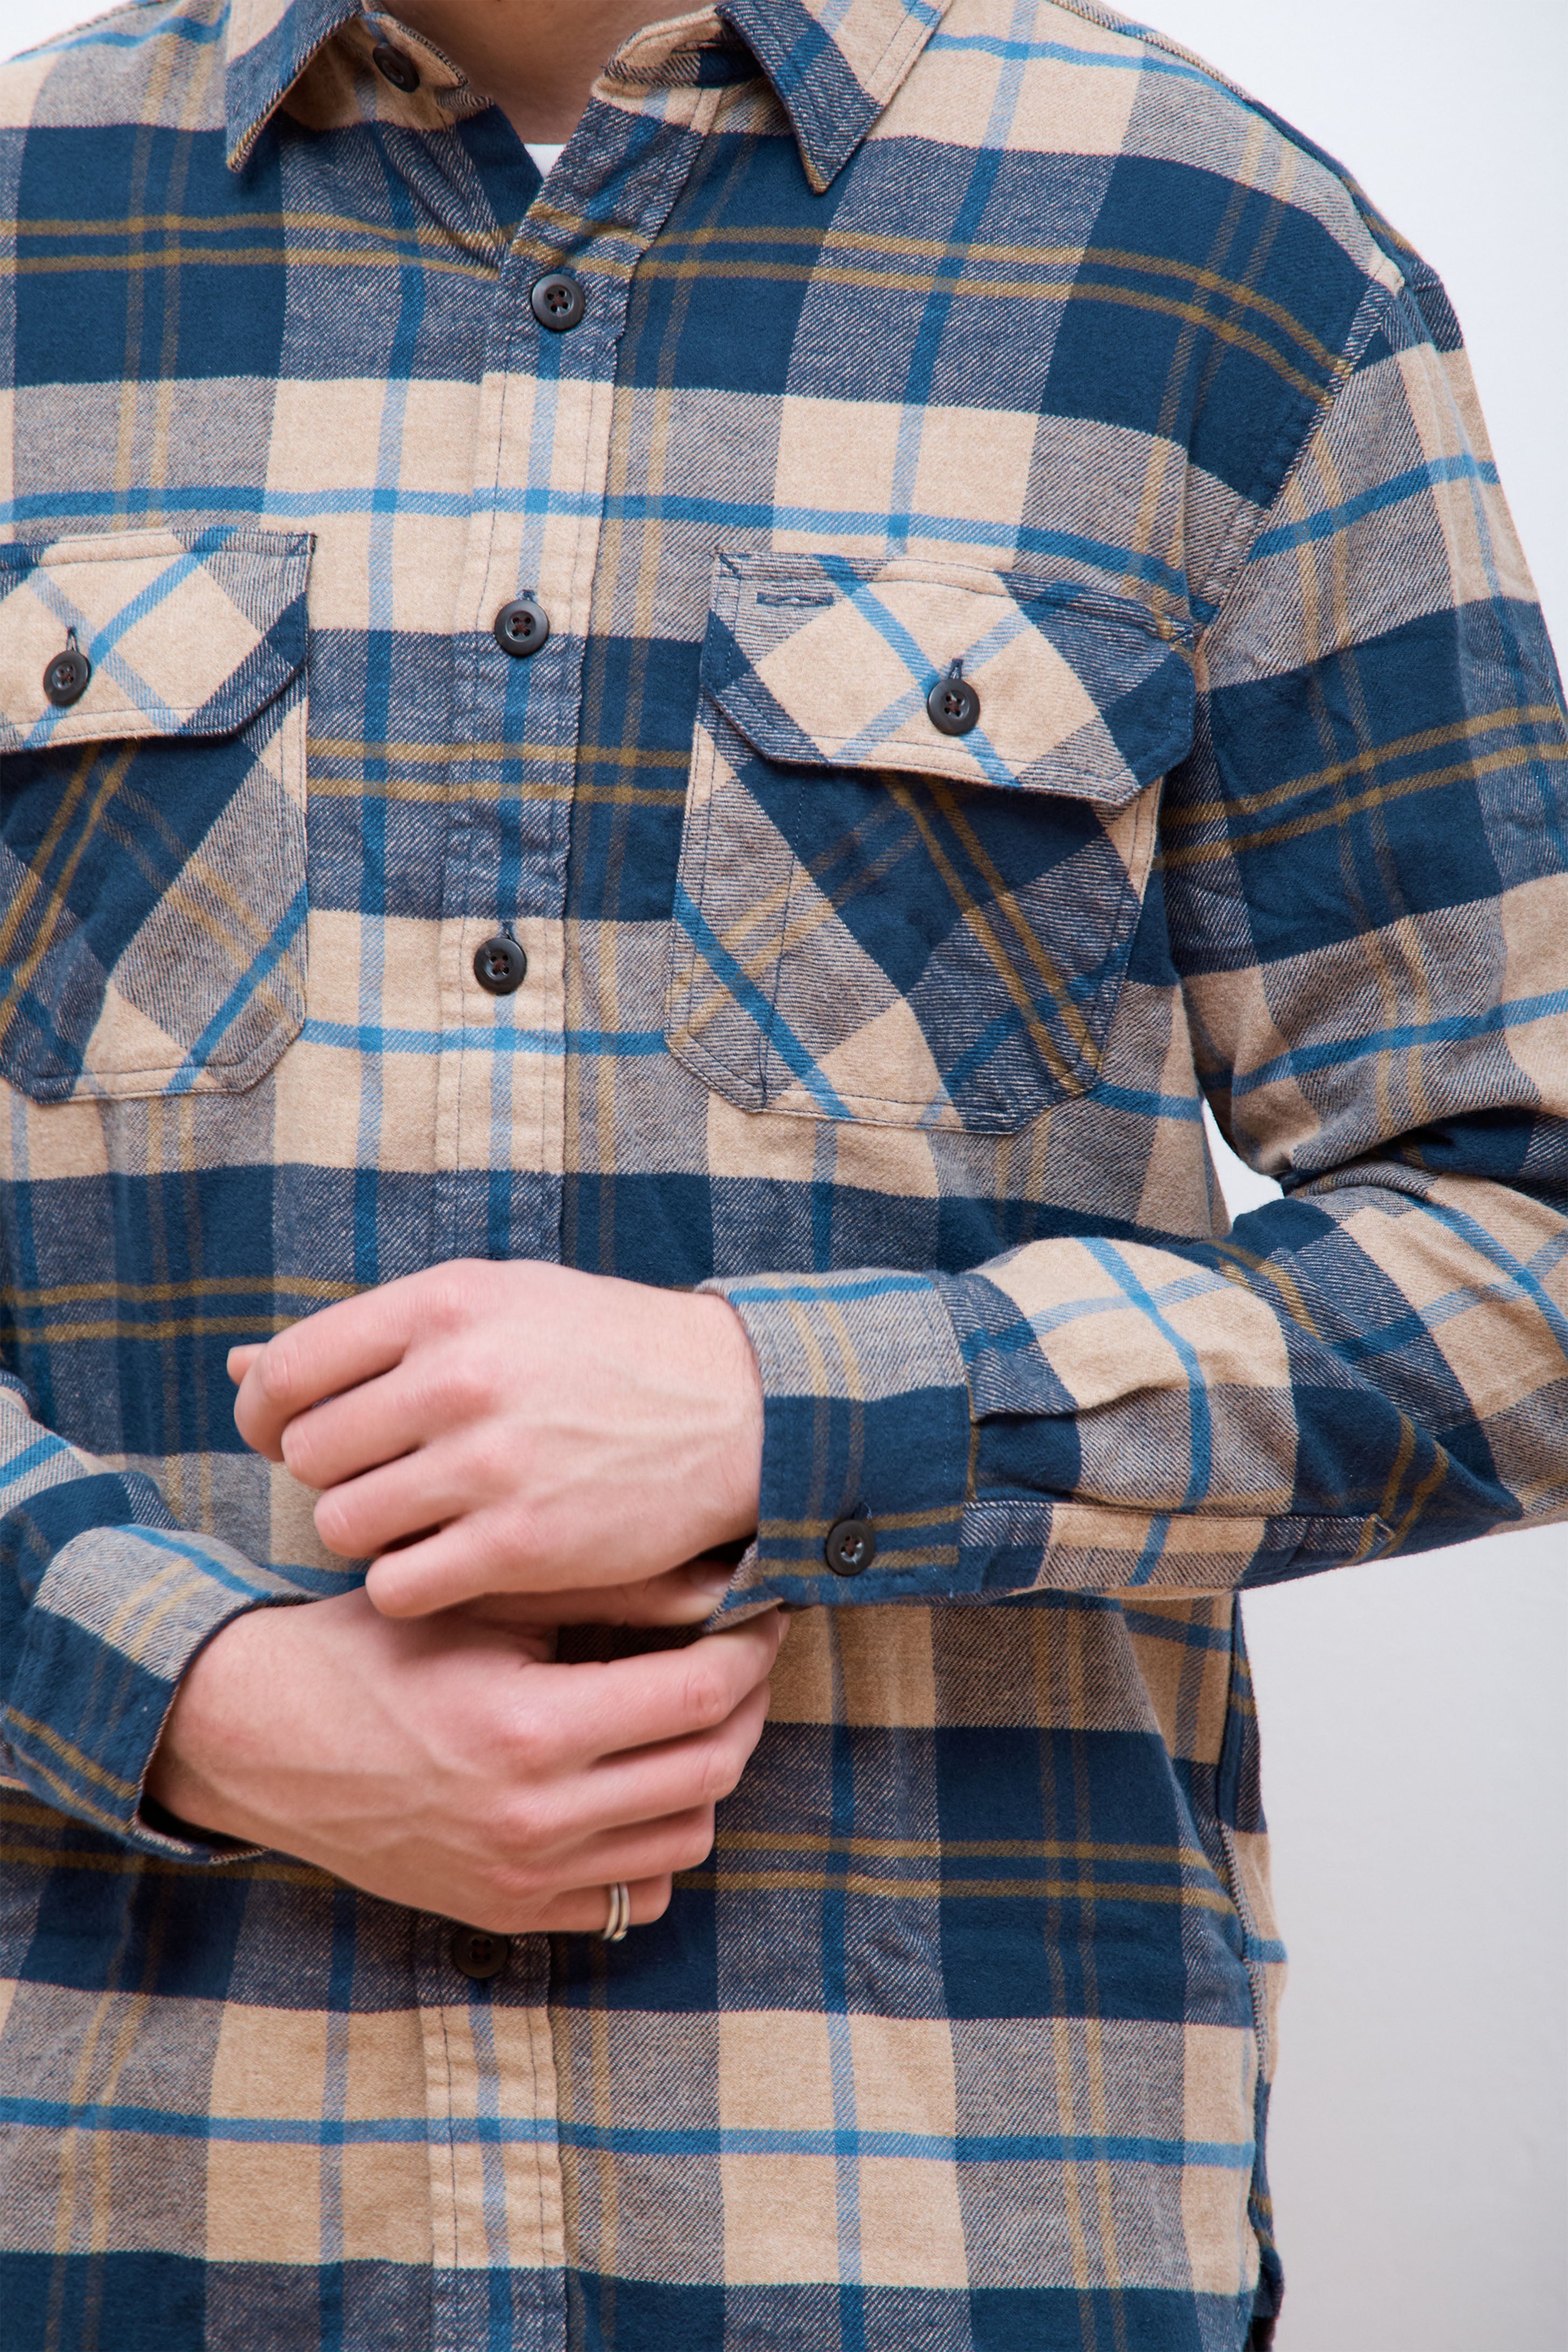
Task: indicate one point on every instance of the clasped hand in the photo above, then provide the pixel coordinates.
(517, 1428)
(514, 1447)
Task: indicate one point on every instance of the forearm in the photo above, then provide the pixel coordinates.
(106, 1602)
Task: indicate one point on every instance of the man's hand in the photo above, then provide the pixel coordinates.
(515, 1427)
(450, 1765)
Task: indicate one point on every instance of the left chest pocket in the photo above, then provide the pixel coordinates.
(880, 919)
(153, 819)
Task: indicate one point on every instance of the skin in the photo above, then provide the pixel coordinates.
(514, 1447)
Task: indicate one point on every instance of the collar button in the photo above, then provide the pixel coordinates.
(393, 66)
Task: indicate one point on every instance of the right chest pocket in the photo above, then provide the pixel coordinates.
(882, 918)
(153, 825)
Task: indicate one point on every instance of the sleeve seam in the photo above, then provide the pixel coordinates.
(1375, 306)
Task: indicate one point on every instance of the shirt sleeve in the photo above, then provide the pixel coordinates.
(106, 1602)
(1361, 891)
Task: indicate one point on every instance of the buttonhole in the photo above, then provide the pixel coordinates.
(792, 597)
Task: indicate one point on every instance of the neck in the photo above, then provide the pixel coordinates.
(537, 60)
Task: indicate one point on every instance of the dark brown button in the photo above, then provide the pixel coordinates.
(477, 1954)
(393, 66)
(557, 302)
(522, 626)
(953, 706)
(500, 965)
(65, 677)
(852, 1547)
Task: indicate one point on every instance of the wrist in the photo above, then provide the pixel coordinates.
(739, 1414)
(209, 1734)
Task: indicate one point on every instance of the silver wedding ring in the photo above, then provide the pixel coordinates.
(614, 1927)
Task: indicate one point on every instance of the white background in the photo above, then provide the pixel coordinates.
(1414, 1712)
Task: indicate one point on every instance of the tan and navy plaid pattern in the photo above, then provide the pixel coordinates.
(987, 343)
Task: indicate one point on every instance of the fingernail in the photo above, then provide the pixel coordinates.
(710, 1576)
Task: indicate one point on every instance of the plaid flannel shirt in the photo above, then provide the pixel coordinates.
(1000, 334)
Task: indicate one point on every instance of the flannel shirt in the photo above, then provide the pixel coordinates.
(1001, 333)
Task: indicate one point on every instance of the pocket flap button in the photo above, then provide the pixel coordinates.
(65, 677)
(952, 705)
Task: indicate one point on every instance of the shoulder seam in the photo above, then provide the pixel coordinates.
(1400, 256)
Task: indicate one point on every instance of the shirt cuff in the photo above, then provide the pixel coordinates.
(117, 1617)
(865, 1429)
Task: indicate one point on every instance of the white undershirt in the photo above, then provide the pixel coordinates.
(543, 157)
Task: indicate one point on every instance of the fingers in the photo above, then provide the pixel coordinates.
(576, 1715)
(683, 1596)
(648, 1853)
(355, 1431)
(444, 1566)
(585, 1910)
(337, 1349)
(665, 1780)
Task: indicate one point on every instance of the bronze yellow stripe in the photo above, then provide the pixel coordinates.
(946, 1890)
(141, 264)
(1178, 816)
(964, 1849)
(1430, 780)
(46, 1857)
(971, 288)
(407, 792)
(625, 755)
(71, 1294)
(1072, 258)
(60, 1335)
(70, 1755)
(772, 1528)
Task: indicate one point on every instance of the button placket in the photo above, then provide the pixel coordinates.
(542, 449)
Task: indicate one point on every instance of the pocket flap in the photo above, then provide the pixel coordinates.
(821, 661)
(188, 634)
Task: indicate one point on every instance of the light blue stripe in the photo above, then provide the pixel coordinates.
(743, 988)
(1393, 493)
(761, 1292)
(33, 1457)
(829, 523)
(1200, 1432)
(1462, 1028)
(166, 28)
(1031, 2147)
(993, 45)
(369, 1037)
(239, 995)
(1514, 1273)
(48, 583)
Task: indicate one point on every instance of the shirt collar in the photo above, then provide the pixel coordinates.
(834, 64)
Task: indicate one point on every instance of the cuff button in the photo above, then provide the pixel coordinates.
(852, 1547)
